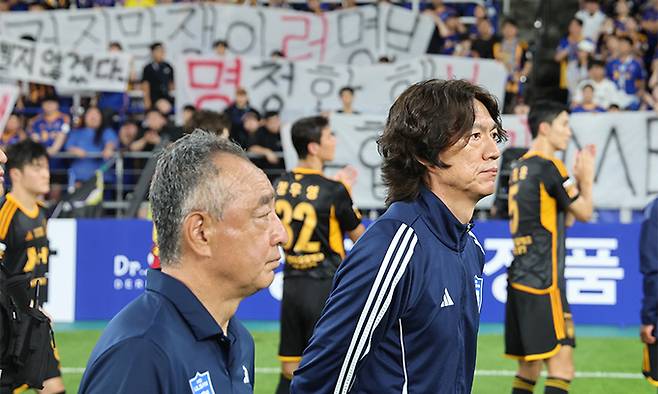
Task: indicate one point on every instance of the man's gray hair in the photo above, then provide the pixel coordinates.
(187, 179)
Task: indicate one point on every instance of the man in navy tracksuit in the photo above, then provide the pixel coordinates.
(403, 315)
(649, 269)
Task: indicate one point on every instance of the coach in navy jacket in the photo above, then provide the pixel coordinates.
(403, 315)
(218, 237)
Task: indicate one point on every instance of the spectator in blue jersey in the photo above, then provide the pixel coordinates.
(587, 104)
(13, 132)
(92, 138)
(627, 72)
(404, 311)
(50, 129)
(649, 269)
(218, 239)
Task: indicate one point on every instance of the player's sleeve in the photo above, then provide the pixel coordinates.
(135, 365)
(559, 185)
(649, 264)
(371, 292)
(348, 216)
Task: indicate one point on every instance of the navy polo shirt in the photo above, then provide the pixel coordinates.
(165, 341)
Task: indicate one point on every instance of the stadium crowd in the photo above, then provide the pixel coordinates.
(607, 62)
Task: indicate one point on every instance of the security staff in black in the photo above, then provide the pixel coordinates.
(543, 201)
(316, 212)
(24, 243)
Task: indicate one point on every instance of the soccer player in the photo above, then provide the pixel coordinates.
(543, 200)
(403, 314)
(23, 225)
(316, 211)
(649, 269)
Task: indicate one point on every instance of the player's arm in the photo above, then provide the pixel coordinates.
(349, 217)
(135, 365)
(583, 206)
(346, 330)
(649, 269)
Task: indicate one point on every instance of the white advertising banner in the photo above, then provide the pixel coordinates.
(626, 160)
(69, 69)
(355, 36)
(307, 88)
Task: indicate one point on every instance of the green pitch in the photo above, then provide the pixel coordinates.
(608, 360)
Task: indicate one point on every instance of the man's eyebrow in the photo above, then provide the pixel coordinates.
(266, 199)
(483, 127)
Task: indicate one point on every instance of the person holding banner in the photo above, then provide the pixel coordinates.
(404, 311)
(543, 201)
(308, 200)
(649, 269)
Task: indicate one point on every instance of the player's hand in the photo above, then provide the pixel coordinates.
(646, 334)
(584, 164)
(271, 157)
(347, 175)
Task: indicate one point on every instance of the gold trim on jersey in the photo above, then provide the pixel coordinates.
(30, 213)
(562, 169)
(290, 359)
(535, 357)
(307, 171)
(335, 234)
(6, 215)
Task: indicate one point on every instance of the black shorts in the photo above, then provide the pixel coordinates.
(52, 371)
(650, 363)
(301, 306)
(537, 325)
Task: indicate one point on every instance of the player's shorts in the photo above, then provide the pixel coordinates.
(52, 371)
(536, 325)
(650, 363)
(301, 306)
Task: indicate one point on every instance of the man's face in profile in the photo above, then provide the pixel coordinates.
(245, 240)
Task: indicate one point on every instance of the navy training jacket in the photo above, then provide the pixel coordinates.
(403, 315)
(649, 263)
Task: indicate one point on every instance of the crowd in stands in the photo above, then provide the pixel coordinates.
(607, 59)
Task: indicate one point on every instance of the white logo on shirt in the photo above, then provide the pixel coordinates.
(201, 383)
(246, 375)
(447, 300)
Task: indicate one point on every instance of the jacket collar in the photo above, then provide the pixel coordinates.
(188, 305)
(445, 226)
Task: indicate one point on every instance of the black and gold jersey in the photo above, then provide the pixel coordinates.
(540, 191)
(315, 211)
(24, 242)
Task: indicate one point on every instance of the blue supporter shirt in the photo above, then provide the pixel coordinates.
(83, 169)
(116, 101)
(625, 74)
(45, 132)
(165, 341)
(580, 108)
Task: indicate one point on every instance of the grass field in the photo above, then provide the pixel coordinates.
(607, 360)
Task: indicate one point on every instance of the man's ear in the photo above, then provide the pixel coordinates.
(313, 148)
(196, 232)
(15, 174)
(429, 166)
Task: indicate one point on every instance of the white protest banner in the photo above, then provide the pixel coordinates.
(626, 161)
(68, 69)
(354, 36)
(305, 88)
(8, 97)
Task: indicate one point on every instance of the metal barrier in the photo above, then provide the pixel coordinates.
(129, 191)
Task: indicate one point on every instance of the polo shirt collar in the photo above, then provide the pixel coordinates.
(188, 305)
